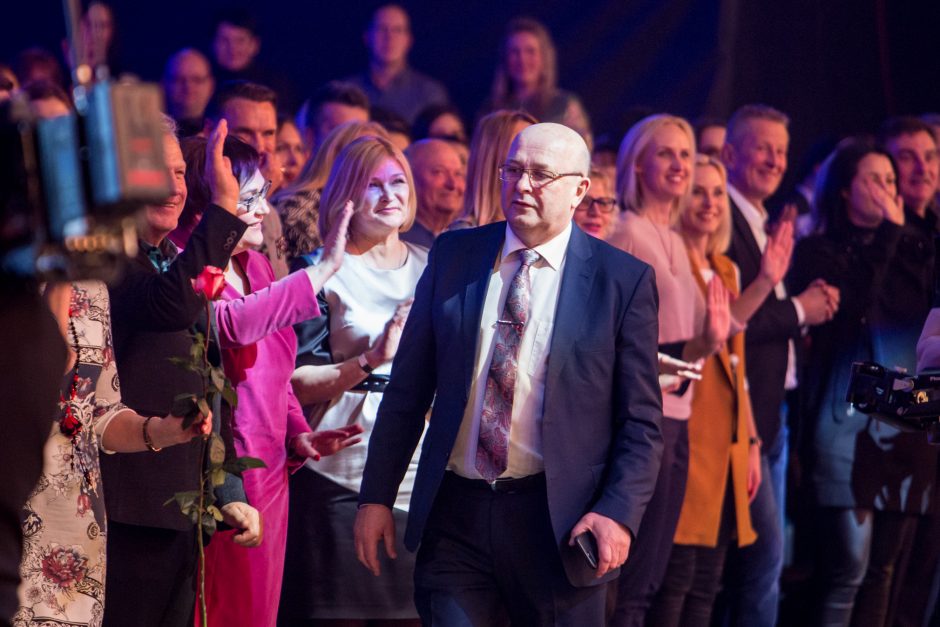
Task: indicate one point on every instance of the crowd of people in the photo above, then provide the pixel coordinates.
(532, 442)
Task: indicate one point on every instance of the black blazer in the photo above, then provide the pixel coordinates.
(602, 410)
(151, 317)
(769, 331)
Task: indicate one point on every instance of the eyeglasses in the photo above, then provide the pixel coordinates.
(603, 205)
(249, 204)
(537, 176)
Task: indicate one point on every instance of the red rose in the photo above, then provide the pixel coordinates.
(69, 425)
(64, 566)
(210, 282)
(84, 503)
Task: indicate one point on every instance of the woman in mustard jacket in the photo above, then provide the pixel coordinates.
(724, 447)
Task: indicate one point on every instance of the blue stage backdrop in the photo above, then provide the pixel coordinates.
(836, 67)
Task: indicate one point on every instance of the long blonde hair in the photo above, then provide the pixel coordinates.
(352, 172)
(632, 149)
(488, 149)
(502, 93)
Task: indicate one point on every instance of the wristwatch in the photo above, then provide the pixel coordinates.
(364, 364)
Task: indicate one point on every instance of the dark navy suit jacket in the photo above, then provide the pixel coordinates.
(601, 420)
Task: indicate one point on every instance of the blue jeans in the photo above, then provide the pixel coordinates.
(752, 585)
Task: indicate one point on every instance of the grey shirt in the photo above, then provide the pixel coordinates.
(408, 94)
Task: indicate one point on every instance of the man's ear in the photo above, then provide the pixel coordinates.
(582, 191)
(728, 155)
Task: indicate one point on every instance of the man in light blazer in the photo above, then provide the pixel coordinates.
(539, 343)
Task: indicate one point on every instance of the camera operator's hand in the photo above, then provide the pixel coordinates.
(223, 186)
(819, 301)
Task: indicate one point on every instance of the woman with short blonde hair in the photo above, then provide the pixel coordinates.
(365, 305)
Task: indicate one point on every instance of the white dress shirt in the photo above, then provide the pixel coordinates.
(525, 434)
(756, 218)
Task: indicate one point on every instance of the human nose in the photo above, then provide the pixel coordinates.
(525, 182)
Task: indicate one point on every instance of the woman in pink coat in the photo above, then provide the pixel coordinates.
(253, 316)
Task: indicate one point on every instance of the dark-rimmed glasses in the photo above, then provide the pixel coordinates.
(249, 204)
(602, 205)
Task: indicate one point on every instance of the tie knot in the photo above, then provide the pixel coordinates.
(528, 256)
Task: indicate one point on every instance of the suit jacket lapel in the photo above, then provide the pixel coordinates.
(479, 269)
(743, 230)
(572, 300)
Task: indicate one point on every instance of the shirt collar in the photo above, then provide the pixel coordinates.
(552, 251)
(160, 256)
(754, 215)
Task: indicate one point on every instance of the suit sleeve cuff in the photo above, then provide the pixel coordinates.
(800, 314)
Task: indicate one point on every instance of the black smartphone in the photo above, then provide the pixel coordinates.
(588, 546)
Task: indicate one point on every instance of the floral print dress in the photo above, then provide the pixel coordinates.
(63, 567)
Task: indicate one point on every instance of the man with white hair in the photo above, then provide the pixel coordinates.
(539, 343)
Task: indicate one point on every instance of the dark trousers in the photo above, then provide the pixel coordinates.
(693, 576)
(645, 568)
(151, 577)
(687, 594)
(489, 559)
(860, 548)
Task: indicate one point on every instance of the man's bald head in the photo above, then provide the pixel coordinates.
(440, 182)
(567, 146)
(544, 180)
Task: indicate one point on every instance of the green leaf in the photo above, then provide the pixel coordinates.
(184, 363)
(241, 464)
(216, 451)
(217, 477)
(183, 406)
(208, 524)
(230, 396)
(203, 405)
(196, 350)
(215, 511)
(217, 378)
(185, 500)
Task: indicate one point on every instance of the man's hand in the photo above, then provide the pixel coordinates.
(820, 302)
(223, 186)
(374, 523)
(613, 540)
(246, 518)
(776, 258)
(318, 444)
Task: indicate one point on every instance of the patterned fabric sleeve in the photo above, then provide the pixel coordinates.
(108, 390)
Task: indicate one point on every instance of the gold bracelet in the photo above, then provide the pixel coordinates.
(147, 439)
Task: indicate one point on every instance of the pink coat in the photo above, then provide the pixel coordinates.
(243, 586)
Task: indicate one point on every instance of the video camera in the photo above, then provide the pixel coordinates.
(70, 186)
(908, 402)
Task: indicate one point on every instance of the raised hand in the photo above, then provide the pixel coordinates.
(334, 243)
(776, 258)
(387, 344)
(717, 313)
(223, 186)
(892, 207)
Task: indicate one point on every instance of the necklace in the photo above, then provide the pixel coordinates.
(666, 249)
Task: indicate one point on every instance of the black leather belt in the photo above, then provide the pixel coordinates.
(502, 486)
(373, 383)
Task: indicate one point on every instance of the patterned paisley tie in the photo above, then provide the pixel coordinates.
(493, 446)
